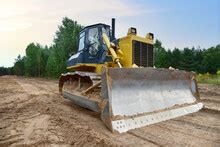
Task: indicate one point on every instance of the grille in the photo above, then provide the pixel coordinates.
(142, 54)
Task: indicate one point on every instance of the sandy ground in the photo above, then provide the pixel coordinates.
(33, 113)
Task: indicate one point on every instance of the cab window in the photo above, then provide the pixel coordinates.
(106, 30)
(81, 41)
(93, 34)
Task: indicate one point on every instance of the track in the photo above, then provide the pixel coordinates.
(32, 112)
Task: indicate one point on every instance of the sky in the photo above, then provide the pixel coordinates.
(177, 23)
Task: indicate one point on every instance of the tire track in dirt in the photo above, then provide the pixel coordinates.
(144, 138)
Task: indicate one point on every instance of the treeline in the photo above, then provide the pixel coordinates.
(6, 71)
(190, 59)
(44, 61)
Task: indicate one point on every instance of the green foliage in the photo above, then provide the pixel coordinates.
(66, 38)
(51, 62)
(160, 55)
(45, 53)
(65, 44)
(208, 78)
(36, 59)
(200, 61)
(6, 71)
(19, 67)
(188, 61)
(51, 65)
(176, 58)
(212, 59)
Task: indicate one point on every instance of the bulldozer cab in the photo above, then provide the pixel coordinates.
(90, 38)
(91, 48)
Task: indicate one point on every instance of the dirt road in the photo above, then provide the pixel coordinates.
(32, 112)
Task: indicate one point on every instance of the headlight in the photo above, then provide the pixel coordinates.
(150, 36)
(132, 31)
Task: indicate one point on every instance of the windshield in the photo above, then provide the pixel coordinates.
(93, 41)
(93, 34)
(106, 30)
(81, 41)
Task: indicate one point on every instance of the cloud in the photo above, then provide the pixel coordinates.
(21, 14)
(10, 26)
(118, 7)
(25, 21)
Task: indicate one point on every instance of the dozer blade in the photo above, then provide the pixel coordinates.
(136, 97)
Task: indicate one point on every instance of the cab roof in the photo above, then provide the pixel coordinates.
(91, 26)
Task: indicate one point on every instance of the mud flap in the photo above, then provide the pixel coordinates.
(138, 97)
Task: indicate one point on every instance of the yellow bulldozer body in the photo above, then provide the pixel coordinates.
(128, 95)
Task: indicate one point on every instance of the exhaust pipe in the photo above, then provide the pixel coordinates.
(113, 29)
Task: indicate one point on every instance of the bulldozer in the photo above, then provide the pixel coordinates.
(117, 78)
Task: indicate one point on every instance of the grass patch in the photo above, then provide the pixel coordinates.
(209, 79)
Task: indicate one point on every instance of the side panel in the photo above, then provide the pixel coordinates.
(125, 44)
